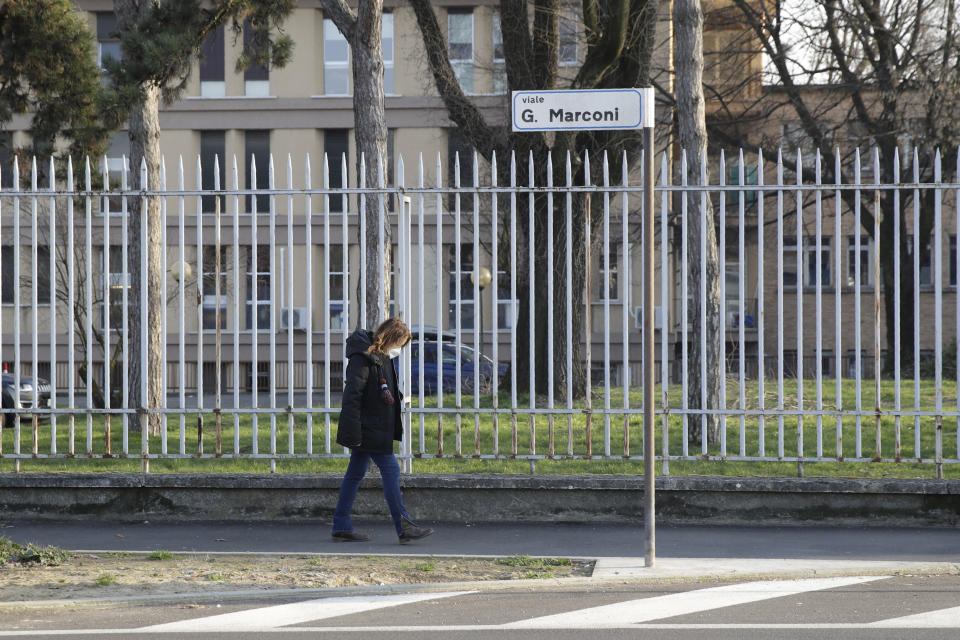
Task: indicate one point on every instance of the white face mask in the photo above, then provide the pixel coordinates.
(394, 353)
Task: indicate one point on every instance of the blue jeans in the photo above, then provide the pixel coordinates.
(389, 472)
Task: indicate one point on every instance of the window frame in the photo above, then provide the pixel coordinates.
(463, 66)
(331, 36)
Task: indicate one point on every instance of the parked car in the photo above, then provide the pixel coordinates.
(26, 397)
(468, 364)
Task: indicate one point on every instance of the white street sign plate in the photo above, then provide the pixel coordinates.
(577, 110)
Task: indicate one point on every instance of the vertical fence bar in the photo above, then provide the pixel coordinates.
(274, 282)
(477, 307)
(761, 313)
(877, 305)
(588, 312)
(858, 356)
(16, 310)
(799, 284)
(704, 439)
(34, 304)
(837, 297)
(495, 297)
(722, 271)
(550, 267)
(917, 451)
(362, 237)
(290, 306)
(568, 174)
(235, 180)
(51, 257)
(327, 283)
(741, 284)
(163, 308)
(199, 310)
(255, 305)
(956, 266)
(144, 294)
(71, 313)
(625, 302)
(684, 302)
(107, 328)
(218, 310)
(937, 265)
(897, 407)
(88, 310)
(664, 313)
(458, 324)
(181, 305)
(780, 444)
(606, 304)
(440, 388)
(422, 294)
(125, 299)
(531, 262)
(308, 249)
(819, 302)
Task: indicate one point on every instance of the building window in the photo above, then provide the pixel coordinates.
(499, 61)
(256, 148)
(508, 309)
(212, 153)
(733, 178)
(866, 252)
(336, 61)
(460, 41)
(953, 260)
(115, 280)
(810, 262)
(460, 149)
(118, 152)
(387, 45)
(826, 363)
(6, 159)
(926, 272)
(212, 65)
(256, 78)
(568, 35)
(108, 39)
(610, 279)
(790, 255)
(463, 273)
(338, 289)
(261, 279)
(210, 288)
(7, 283)
(335, 148)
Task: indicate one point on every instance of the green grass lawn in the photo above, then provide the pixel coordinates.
(460, 435)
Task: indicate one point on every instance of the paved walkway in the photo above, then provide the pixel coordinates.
(681, 551)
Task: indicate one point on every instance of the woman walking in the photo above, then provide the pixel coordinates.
(369, 423)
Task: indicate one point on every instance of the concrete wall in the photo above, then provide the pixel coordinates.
(476, 498)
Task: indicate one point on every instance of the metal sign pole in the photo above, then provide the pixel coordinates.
(650, 546)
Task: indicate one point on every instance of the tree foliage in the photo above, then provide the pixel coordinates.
(47, 71)
(618, 38)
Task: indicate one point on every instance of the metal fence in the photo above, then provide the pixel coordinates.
(254, 339)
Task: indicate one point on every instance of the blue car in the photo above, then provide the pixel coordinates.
(468, 364)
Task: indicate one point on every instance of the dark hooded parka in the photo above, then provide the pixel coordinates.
(367, 424)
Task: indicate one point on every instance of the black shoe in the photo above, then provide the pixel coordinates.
(410, 532)
(349, 536)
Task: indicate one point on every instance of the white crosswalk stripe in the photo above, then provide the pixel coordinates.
(942, 619)
(282, 615)
(677, 604)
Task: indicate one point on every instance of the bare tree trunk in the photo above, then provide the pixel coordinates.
(688, 33)
(144, 131)
(363, 32)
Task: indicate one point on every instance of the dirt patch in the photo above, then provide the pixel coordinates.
(82, 576)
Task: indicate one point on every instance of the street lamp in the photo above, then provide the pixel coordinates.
(482, 278)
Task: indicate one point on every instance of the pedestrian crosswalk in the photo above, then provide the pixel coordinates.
(401, 612)
(855, 603)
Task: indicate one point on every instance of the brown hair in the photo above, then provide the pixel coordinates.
(391, 332)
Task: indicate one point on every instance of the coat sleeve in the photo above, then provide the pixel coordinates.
(355, 382)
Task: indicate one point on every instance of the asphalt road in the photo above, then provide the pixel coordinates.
(875, 607)
(545, 539)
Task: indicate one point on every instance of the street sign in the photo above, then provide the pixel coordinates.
(578, 110)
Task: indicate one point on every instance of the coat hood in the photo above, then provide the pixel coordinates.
(358, 342)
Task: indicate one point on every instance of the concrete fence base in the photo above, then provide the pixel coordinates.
(480, 498)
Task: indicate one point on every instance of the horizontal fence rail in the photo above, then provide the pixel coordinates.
(493, 265)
